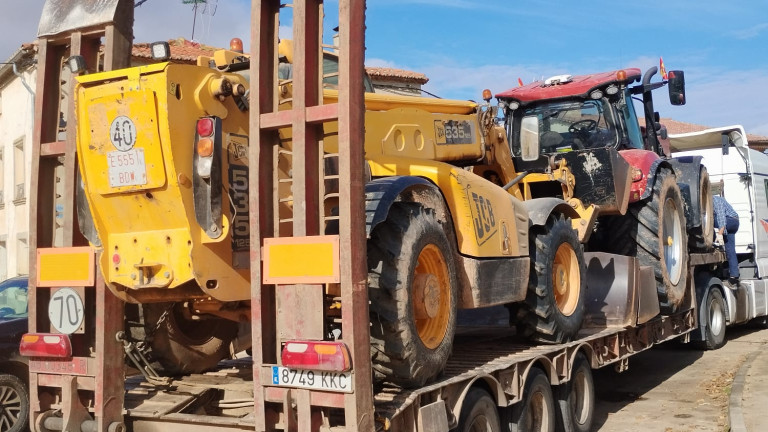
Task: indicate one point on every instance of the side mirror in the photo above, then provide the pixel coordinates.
(726, 143)
(529, 138)
(676, 82)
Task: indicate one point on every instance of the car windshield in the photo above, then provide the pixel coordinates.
(566, 126)
(13, 299)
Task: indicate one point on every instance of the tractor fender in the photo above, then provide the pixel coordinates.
(651, 174)
(705, 281)
(688, 170)
(380, 193)
(539, 210)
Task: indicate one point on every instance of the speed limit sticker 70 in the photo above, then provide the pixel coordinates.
(66, 311)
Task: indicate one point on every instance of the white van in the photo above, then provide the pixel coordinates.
(740, 175)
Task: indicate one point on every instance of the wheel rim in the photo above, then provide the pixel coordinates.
(10, 407)
(537, 415)
(716, 317)
(431, 296)
(707, 211)
(581, 398)
(566, 279)
(672, 233)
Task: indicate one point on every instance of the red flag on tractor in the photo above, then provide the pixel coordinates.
(662, 68)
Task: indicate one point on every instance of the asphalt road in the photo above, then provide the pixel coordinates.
(674, 387)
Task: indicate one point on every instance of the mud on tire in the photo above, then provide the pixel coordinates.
(183, 346)
(554, 306)
(653, 230)
(701, 237)
(413, 288)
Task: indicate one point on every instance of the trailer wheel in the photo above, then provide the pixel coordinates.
(536, 412)
(185, 346)
(479, 413)
(14, 404)
(576, 398)
(714, 308)
(413, 288)
(702, 236)
(554, 305)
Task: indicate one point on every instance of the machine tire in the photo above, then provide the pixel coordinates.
(576, 398)
(536, 412)
(701, 237)
(14, 404)
(409, 256)
(641, 232)
(715, 308)
(554, 306)
(479, 413)
(182, 346)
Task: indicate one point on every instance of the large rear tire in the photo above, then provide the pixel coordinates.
(536, 412)
(185, 346)
(653, 230)
(576, 398)
(554, 306)
(479, 413)
(413, 288)
(14, 404)
(701, 237)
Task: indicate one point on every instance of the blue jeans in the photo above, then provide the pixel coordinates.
(731, 226)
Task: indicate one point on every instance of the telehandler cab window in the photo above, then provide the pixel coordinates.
(566, 126)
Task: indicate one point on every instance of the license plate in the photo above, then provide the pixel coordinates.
(311, 379)
(127, 168)
(71, 366)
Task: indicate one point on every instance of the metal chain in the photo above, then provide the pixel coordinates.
(148, 335)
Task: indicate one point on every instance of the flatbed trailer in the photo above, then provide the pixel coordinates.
(493, 378)
(488, 356)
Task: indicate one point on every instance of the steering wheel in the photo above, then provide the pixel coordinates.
(582, 126)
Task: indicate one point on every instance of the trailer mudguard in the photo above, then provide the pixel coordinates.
(688, 171)
(380, 193)
(539, 210)
(704, 281)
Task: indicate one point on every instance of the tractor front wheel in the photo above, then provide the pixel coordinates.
(413, 288)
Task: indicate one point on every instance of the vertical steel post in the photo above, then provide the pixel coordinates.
(305, 118)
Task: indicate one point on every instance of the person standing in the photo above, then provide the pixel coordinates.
(727, 223)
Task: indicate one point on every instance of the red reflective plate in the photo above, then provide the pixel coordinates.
(73, 366)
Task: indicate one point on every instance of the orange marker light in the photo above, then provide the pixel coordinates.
(487, 95)
(205, 147)
(236, 45)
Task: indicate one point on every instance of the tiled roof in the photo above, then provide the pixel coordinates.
(182, 50)
(678, 127)
(398, 75)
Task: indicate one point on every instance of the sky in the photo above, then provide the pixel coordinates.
(464, 46)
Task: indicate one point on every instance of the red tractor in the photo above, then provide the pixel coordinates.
(636, 200)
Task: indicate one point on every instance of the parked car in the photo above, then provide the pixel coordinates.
(14, 375)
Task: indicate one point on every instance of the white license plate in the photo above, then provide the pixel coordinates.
(127, 168)
(312, 379)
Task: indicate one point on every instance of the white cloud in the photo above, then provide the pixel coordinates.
(749, 33)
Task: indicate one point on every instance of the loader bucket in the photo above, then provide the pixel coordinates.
(603, 178)
(61, 16)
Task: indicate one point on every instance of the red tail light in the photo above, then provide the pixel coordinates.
(45, 345)
(324, 356)
(205, 127)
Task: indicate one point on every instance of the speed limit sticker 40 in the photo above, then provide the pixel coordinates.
(66, 311)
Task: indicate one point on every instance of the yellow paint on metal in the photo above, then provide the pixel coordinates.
(153, 227)
(302, 260)
(64, 267)
(477, 206)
